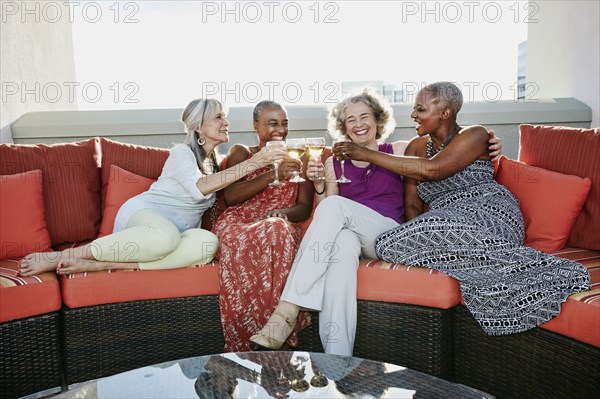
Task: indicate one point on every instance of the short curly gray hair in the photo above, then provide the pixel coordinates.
(447, 93)
(382, 111)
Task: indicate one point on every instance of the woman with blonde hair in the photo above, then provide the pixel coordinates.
(159, 229)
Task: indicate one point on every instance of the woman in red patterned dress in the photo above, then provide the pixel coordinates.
(259, 235)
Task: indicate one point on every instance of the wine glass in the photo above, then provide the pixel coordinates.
(315, 147)
(274, 146)
(300, 385)
(295, 149)
(282, 384)
(342, 179)
(319, 380)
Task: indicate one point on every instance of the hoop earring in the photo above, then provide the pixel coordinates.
(201, 141)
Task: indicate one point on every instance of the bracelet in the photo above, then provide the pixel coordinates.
(318, 191)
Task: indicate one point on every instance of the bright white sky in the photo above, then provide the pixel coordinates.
(162, 54)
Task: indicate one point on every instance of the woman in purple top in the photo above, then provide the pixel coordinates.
(373, 187)
(348, 219)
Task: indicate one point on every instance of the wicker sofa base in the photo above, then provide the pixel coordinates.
(534, 364)
(107, 339)
(416, 337)
(103, 340)
(29, 360)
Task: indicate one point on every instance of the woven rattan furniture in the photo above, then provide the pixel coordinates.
(99, 333)
(29, 355)
(534, 364)
(108, 339)
(423, 344)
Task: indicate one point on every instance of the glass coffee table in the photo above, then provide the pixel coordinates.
(283, 374)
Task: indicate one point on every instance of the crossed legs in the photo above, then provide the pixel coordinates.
(323, 276)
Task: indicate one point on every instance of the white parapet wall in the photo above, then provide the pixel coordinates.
(162, 127)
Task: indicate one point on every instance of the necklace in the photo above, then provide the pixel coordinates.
(431, 152)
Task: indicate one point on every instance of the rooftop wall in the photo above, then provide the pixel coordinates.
(162, 127)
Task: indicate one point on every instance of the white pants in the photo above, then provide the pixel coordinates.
(324, 274)
(154, 242)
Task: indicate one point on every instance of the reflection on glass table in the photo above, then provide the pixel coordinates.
(283, 374)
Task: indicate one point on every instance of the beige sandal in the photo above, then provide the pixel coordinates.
(268, 342)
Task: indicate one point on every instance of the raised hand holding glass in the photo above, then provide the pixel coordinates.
(315, 147)
(295, 149)
(273, 146)
(342, 178)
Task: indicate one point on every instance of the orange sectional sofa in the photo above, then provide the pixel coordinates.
(59, 331)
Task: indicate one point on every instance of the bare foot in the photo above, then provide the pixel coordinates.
(84, 261)
(80, 265)
(39, 262)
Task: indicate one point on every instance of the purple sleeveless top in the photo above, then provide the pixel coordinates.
(378, 188)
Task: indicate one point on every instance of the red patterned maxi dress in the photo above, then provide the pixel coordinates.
(256, 256)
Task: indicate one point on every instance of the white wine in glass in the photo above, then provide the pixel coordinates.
(272, 146)
(295, 149)
(315, 147)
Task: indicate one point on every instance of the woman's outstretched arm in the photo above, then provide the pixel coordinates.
(471, 144)
(211, 183)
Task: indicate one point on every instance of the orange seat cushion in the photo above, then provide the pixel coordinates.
(579, 316)
(550, 201)
(97, 288)
(71, 184)
(122, 185)
(574, 152)
(22, 297)
(382, 281)
(23, 223)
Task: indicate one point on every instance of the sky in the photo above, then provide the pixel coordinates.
(162, 54)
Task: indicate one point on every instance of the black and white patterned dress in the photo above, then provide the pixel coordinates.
(474, 232)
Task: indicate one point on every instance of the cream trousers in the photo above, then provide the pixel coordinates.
(153, 241)
(324, 273)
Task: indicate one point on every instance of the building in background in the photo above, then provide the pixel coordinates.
(392, 92)
(522, 68)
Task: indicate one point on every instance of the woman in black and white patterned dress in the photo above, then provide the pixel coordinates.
(474, 229)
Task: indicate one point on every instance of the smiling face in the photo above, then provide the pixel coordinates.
(215, 130)
(428, 113)
(272, 124)
(360, 123)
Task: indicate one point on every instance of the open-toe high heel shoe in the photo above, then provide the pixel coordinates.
(262, 339)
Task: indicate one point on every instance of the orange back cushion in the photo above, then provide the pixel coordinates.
(550, 201)
(23, 224)
(140, 160)
(71, 184)
(574, 152)
(122, 185)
